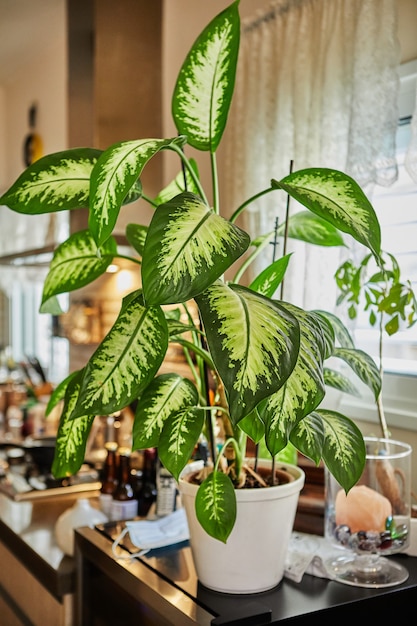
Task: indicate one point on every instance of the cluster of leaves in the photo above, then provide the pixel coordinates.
(388, 300)
(266, 354)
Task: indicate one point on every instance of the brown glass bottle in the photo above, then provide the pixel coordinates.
(147, 495)
(124, 504)
(109, 478)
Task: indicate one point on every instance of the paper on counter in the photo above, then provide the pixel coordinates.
(307, 555)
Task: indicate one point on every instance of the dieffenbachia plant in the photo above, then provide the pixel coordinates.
(266, 355)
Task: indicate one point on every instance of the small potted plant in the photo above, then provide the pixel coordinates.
(265, 356)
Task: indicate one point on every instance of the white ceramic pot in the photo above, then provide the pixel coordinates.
(253, 559)
(82, 513)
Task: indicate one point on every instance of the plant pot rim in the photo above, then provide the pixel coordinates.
(256, 494)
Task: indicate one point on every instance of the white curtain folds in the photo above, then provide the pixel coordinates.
(411, 154)
(317, 84)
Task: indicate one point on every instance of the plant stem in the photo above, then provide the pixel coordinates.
(249, 201)
(379, 403)
(215, 183)
(191, 171)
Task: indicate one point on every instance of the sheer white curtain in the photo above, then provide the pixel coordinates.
(411, 154)
(317, 84)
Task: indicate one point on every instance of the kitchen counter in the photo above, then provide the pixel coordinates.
(41, 586)
(161, 589)
(37, 580)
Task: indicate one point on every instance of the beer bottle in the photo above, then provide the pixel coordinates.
(147, 495)
(124, 504)
(109, 478)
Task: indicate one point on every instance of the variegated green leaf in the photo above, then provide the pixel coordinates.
(253, 426)
(344, 450)
(178, 438)
(72, 433)
(304, 389)
(254, 343)
(166, 394)
(51, 306)
(56, 182)
(341, 333)
(215, 505)
(126, 360)
(175, 327)
(311, 228)
(337, 198)
(363, 366)
(182, 182)
(268, 281)
(76, 263)
(136, 235)
(205, 84)
(114, 175)
(335, 379)
(308, 436)
(327, 332)
(188, 247)
(58, 393)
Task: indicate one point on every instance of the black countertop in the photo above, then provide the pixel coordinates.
(167, 578)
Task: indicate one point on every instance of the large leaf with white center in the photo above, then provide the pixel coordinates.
(205, 83)
(311, 228)
(343, 450)
(363, 366)
(126, 360)
(56, 182)
(179, 437)
(341, 333)
(215, 506)
(136, 235)
(76, 263)
(304, 389)
(254, 343)
(337, 198)
(114, 175)
(72, 433)
(308, 436)
(253, 426)
(59, 392)
(187, 248)
(166, 394)
(336, 380)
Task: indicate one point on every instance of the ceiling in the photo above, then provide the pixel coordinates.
(25, 27)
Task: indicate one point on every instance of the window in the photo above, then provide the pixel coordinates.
(396, 207)
(33, 334)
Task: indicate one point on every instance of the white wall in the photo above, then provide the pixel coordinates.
(43, 81)
(2, 139)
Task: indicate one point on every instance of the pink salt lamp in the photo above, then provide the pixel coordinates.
(362, 509)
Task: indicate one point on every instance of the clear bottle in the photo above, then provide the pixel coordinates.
(109, 478)
(124, 504)
(166, 491)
